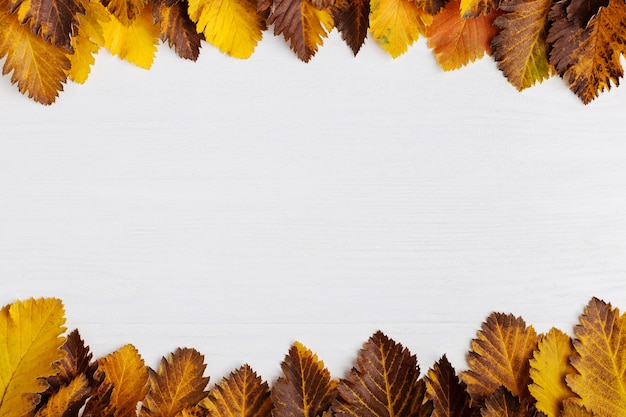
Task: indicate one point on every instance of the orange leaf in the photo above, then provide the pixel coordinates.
(241, 394)
(384, 383)
(447, 392)
(126, 371)
(179, 384)
(600, 360)
(457, 41)
(500, 357)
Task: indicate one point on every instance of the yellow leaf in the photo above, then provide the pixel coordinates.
(85, 43)
(600, 360)
(30, 345)
(126, 371)
(241, 394)
(69, 397)
(126, 11)
(234, 26)
(500, 357)
(178, 385)
(548, 369)
(397, 24)
(136, 43)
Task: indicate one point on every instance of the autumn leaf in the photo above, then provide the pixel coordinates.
(521, 48)
(447, 392)
(600, 360)
(397, 24)
(68, 400)
(178, 384)
(457, 41)
(474, 8)
(500, 356)
(136, 43)
(233, 26)
(572, 409)
(241, 394)
(126, 11)
(31, 346)
(352, 21)
(86, 42)
(196, 411)
(38, 67)
(581, 11)
(548, 369)
(303, 25)
(589, 59)
(177, 29)
(305, 389)
(99, 403)
(384, 383)
(126, 371)
(502, 403)
(432, 6)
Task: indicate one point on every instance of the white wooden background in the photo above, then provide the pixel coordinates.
(236, 206)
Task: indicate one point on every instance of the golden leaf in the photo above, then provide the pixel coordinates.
(126, 371)
(600, 360)
(68, 400)
(241, 394)
(39, 68)
(447, 392)
(31, 345)
(504, 404)
(384, 383)
(397, 24)
(179, 384)
(305, 389)
(126, 11)
(303, 25)
(500, 357)
(572, 409)
(86, 42)
(233, 26)
(548, 369)
(136, 43)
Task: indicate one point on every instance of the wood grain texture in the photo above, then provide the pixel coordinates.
(193, 205)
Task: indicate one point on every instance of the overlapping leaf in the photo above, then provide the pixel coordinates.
(30, 335)
(500, 356)
(177, 29)
(126, 11)
(241, 394)
(179, 384)
(384, 383)
(521, 47)
(68, 400)
(600, 360)
(85, 43)
(302, 24)
(502, 403)
(352, 19)
(457, 41)
(447, 392)
(397, 24)
(548, 369)
(474, 8)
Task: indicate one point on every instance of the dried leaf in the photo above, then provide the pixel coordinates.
(589, 59)
(447, 392)
(85, 43)
(179, 384)
(500, 356)
(352, 21)
(241, 394)
(233, 26)
(99, 404)
(136, 43)
(177, 29)
(504, 404)
(474, 8)
(397, 24)
(548, 369)
(303, 25)
(457, 41)
(68, 400)
(126, 11)
(31, 345)
(126, 371)
(521, 48)
(600, 360)
(572, 409)
(432, 6)
(581, 11)
(384, 383)
(305, 389)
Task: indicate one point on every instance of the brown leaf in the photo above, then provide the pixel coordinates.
(504, 404)
(572, 409)
(447, 392)
(384, 383)
(352, 19)
(67, 400)
(432, 6)
(125, 10)
(500, 356)
(241, 394)
(177, 29)
(305, 389)
(581, 11)
(179, 384)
